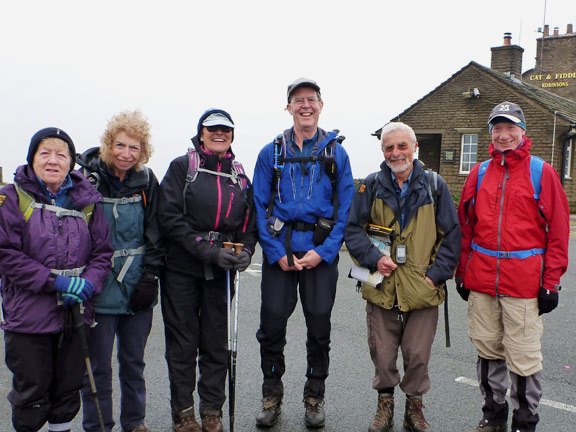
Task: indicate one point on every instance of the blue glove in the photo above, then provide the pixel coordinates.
(69, 300)
(80, 287)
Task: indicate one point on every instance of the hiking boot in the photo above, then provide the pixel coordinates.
(186, 424)
(139, 428)
(414, 420)
(315, 416)
(268, 415)
(212, 423)
(384, 418)
(485, 426)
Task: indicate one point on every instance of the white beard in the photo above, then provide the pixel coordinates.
(399, 168)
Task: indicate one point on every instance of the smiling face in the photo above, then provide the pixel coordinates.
(52, 163)
(507, 136)
(216, 139)
(126, 153)
(398, 148)
(305, 108)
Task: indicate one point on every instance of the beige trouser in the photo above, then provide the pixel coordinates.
(506, 328)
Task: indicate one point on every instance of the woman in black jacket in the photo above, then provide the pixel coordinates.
(205, 200)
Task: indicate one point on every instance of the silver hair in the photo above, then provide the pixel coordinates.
(394, 126)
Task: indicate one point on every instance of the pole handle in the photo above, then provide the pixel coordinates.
(238, 247)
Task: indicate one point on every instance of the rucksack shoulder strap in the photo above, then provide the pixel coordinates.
(25, 202)
(432, 177)
(481, 171)
(536, 166)
(193, 164)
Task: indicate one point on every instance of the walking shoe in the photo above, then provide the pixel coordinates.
(211, 423)
(139, 428)
(414, 420)
(315, 416)
(186, 424)
(268, 415)
(484, 426)
(384, 418)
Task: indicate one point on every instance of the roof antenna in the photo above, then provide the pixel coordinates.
(542, 44)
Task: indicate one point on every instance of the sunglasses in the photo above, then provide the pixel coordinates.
(225, 129)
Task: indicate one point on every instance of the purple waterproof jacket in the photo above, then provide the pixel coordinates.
(29, 250)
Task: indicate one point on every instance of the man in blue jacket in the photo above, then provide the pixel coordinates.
(303, 189)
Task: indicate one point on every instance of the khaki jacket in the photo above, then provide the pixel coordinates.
(431, 237)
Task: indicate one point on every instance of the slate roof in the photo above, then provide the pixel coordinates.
(564, 108)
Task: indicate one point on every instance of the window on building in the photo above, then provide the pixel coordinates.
(568, 160)
(468, 152)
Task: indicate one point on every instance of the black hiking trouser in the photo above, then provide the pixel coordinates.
(48, 375)
(280, 289)
(195, 326)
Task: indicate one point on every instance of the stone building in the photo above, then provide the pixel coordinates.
(555, 68)
(451, 121)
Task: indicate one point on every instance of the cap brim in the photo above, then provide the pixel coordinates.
(304, 84)
(220, 121)
(512, 118)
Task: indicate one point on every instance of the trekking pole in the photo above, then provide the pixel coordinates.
(446, 319)
(77, 312)
(231, 384)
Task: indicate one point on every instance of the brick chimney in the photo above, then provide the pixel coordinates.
(569, 29)
(507, 58)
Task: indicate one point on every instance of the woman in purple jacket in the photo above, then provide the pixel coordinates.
(54, 253)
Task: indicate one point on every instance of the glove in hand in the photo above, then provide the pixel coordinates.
(69, 300)
(244, 259)
(226, 259)
(547, 300)
(145, 293)
(463, 291)
(79, 287)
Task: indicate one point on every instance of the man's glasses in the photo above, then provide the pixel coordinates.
(225, 129)
(312, 100)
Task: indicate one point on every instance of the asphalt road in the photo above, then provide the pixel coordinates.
(453, 404)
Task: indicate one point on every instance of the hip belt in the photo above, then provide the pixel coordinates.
(302, 226)
(521, 254)
(73, 272)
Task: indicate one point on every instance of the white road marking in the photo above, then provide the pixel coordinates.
(550, 403)
(252, 271)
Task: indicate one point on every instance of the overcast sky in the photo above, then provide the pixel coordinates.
(74, 64)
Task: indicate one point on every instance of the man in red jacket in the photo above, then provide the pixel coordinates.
(514, 251)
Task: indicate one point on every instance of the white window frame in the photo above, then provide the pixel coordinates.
(462, 153)
(568, 166)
